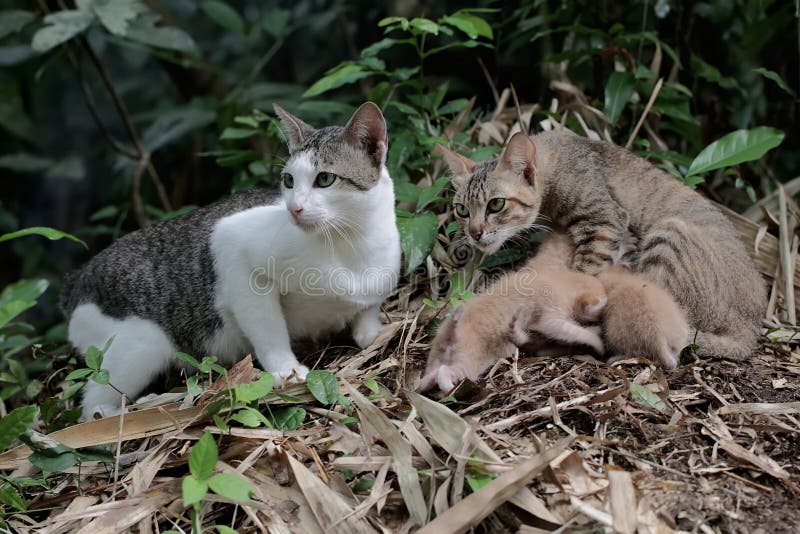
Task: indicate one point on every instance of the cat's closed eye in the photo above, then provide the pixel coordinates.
(288, 180)
(461, 210)
(495, 205)
(325, 179)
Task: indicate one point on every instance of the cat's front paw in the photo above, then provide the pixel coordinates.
(296, 372)
(366, 330)
(98, 411)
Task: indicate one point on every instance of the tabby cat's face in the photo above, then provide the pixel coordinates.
(493, 205)
(497, 199)
(331, 172)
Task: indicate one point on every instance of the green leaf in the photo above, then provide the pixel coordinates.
(50, 233)
(619, 88)
(276, 21)
(324, 386)
(222, 529)
(417, 237)
(231, 486)
(371, 384)
(79, 373)
(18, 297)
(425, 25)
(237, 133)
(477, 482)
(470, 24)
(342, 75)
(203, 457)
(251, 418)
(143, 30)
(775, 77)
(13, 425)
(193, 490)
(54, 460)
(712, 74)
(11, 497)
(94, 357)
(13, 20)
(116, 15)
(224, 15)
(101, 377)
(255, 390)
(736, 147)
(364, 484)
(430, 194)
(188, 359)
(288, 418)
(642, 395)
(61, 27)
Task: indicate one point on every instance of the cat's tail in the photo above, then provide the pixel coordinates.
(733, 344)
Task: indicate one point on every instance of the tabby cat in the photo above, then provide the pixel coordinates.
(598, 191)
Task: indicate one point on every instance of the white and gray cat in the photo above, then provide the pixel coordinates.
(251, 272)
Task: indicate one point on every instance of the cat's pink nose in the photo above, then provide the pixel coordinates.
(476, 234)
(295, 211)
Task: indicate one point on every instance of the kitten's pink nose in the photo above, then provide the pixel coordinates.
(476, 234)
(295, 211)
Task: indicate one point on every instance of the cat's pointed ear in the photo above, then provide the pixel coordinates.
(296, 130)
(520, 156)
(367, 131)
(460, 166)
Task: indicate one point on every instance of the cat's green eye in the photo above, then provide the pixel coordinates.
(325, 179)
(495, 205)
(461, 210)
(288, 180)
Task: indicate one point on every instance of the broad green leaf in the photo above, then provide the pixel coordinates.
(712, 74)
(251, 418)
(224, 15)
(324, 386)
(340, 76)
(101, 377)
(188, 359)
(417, 237)
(425, 25)
(619, 88)
(255, 390)
(61, 26)
(470, 24)
(13, 20)
(775, 77)
(642, 395)
(383, 44)
(288, 418)
(144, 30)
(193, 490)
(94, 358)
(231, 486)
(237, 133)
(116, 15)
(203, 457)
(15, 424)
(371, 384)
(79, 373)
(50, 233)
(276, 21)
(54, 460)
(477, 482)
(222, 529)
(364, 484)
(736, 147)
(429, 194)
(18, 297)
(454, 106)
(9, 496)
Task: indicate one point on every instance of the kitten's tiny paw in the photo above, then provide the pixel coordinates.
(365, 331)
(290, 374)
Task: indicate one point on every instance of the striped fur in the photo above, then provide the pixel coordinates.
(600, 192)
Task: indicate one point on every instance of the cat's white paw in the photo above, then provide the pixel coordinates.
(366, 330)
(290, 373)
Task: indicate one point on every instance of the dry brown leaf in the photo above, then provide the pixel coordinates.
(622, 501)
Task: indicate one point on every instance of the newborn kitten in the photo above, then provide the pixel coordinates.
(598, 191)
(531, 308)
(251, 272)
(641, 319)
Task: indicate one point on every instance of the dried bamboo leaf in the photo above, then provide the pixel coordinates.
(330, 509)
(622, 501)
(401, 451)
(472, 509)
